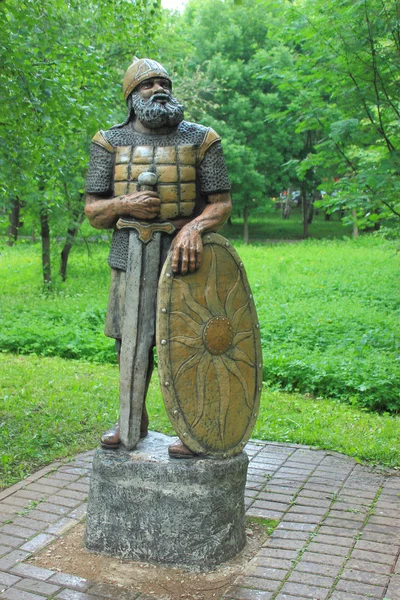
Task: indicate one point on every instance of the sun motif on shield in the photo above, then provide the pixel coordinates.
(213, 349)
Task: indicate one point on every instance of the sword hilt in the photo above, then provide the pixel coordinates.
(145, 230)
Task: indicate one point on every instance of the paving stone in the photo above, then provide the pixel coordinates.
(294, 517)
(347, 515)
(372, 557)
(62, 501)
(277, 553)
(4, 549)
(277, 506)
(284, 544)
(328, 570)
(29, 495)
(112, 592)
(338, 531)
(368, 566)
(16, 501)
(325, 559)
(305, 591)
(78, 486)
(40, 587)
(284, 524)
(47, 517)
(54, 508)
(328, 549)
(79, 513)
(28, 570)
(263, 514)
(289, 597)
(20, 532)
(355, 587)
(312, 579)
(346, 596)
(75, 595)
(62, 476)
(365, 577)
(44, 490)
(341, 523)
(6, 579)
(61, 526)
(333, 540)
(238, 593)
(393, 591)
(38, 542)
(11, 559)
(289, 534)
(29, 523)
(16, 594)
(71, 581)
(308, 510)
(386, 548)
(258, 566)
(372, 536)
(53, 482)
(258, 583)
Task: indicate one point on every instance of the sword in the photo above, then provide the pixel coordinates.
(139, 316)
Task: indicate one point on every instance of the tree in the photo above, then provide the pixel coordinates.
(62, 63)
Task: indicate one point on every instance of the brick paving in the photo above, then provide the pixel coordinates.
(337, 534)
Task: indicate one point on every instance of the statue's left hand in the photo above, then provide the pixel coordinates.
(187, 250)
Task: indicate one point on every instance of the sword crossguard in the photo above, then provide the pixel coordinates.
(145, 230)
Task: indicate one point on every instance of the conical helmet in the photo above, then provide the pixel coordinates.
(139, 70)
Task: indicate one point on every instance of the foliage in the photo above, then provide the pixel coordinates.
(62, 65)
(52, 408)
(337, 66)
(328, 312)
(221, 41)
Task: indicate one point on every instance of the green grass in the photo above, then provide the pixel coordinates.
(328, 311)
(52, 408)
(270, 226)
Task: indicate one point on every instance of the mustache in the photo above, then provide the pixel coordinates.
(160, 96)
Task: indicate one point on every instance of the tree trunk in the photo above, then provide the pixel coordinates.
(310, 213)
(69, 241)
(246, 225)
(45, 235)
(355, 224)
(327, 216)
(304, 211)
(15, 224)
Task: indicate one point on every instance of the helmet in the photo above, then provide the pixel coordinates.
(141, 69)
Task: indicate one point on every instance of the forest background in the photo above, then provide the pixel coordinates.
(304, 94)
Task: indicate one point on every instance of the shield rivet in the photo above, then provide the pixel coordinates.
(224, 455)
(164, 310)
(255, 414)
(166, 383)
(259, 389)
(259, 366)
(241, 264)
(251, 296)
(227, 244)
(257, 326)
(175, 412)
(184, 433)
(163, 342)
(209, 237)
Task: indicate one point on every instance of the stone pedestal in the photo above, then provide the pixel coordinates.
(146, 506)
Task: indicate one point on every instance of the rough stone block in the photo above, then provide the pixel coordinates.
(145, 506)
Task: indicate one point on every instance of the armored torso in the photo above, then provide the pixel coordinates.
(189, 164)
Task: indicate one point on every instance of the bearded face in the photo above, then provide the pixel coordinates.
(160, 110)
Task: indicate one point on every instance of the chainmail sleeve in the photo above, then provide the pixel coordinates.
(100, 174)
(212, 171)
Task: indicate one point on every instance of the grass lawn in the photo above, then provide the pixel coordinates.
(52, 408)
(328, 312)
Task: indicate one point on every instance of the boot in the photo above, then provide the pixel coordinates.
(111, 438)
(179, 450)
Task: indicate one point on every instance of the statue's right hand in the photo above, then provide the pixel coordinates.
(141, 205)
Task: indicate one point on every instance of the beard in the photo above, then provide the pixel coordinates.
(154, 115)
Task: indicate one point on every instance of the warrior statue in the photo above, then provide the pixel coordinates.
(158, 181)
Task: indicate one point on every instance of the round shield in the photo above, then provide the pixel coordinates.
(209, 351)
